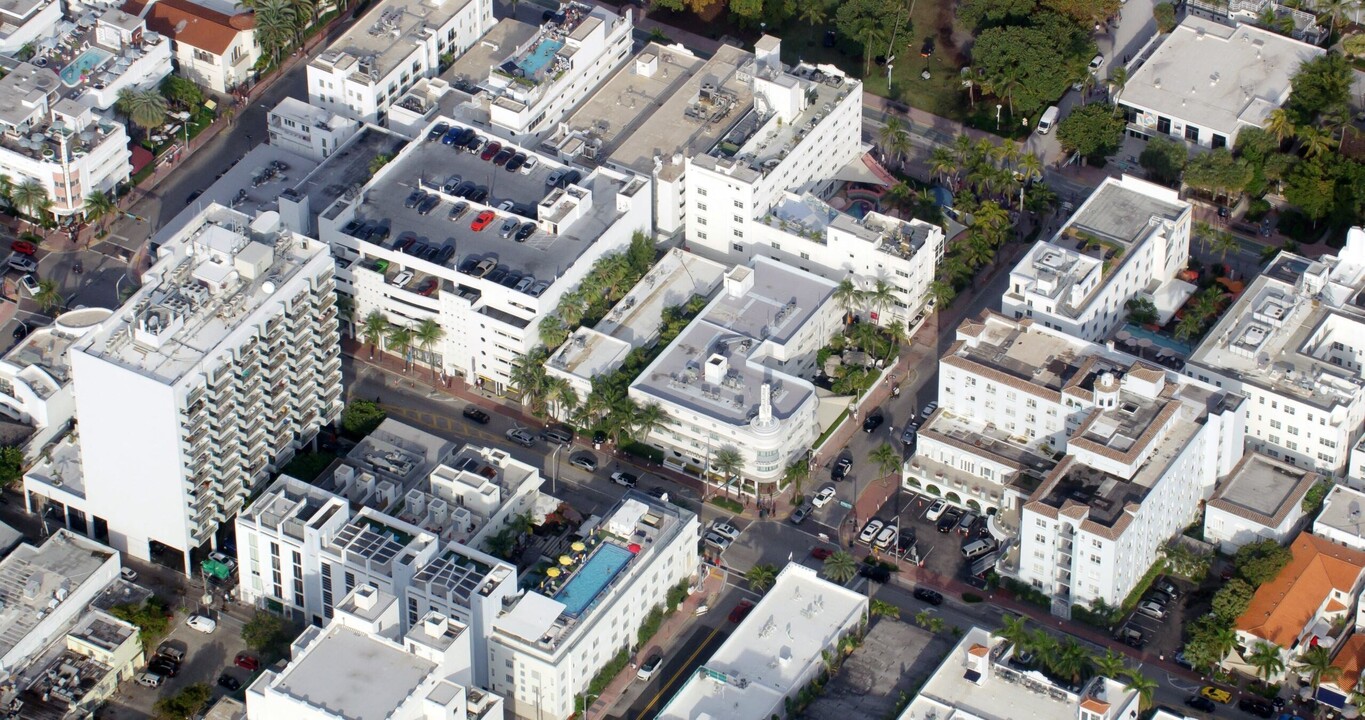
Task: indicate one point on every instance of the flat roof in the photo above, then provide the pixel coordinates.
(31, 576)
(735, 331)
(353, 675)
(1216, 76)
(770, 652)
(386, 35)
(1342, 511)
(1263, 489)
(501, 40)
(216, 273)
(348, 169)
(1028, 354)
(1122, 210)
(252, 184)
(543, 255)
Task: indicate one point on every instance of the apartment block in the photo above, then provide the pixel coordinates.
(35, 378)
(228, 356)
(25, 23)
(550, 641)
(304, 130)
(216, 48)
(397, 42)
(1127, 240)
(1261, 499)
(1294, 345)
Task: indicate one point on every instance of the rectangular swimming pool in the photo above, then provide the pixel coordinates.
(84, 64)
(540, 57)
(587, 584)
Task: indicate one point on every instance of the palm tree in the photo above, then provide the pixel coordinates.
(399, 337)
(812, 13)
(428, 333)
(760, 577)
(849, 298)
(1144, 686)
(978, 250)
(31, 198)
(1334, 9)
(991, 217)
(98, 205)
(1118, 77)
(882, 608)
(943, 164)
(1223, 243)
(1280, 125)
(941, 293)
(373, 329)
(1069, 661)
(620, 420)
(571, 308)
(729, 462)
(866, 337)
(648, 417)
(48, 297)
(276, 24)
(1014, 628)
(1109, 665)
(840, 567)
(529, 381)
(886, 459)
(1042, 643)
(1267, 659)
(895, 334)
(1188, 327)
(561, 393)
(145, 108)
(881, 296)
(552, 331)
(378, 162)
(1316, 663)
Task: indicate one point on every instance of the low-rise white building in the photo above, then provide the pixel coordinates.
(1261, 500)
(983, 678)
(35, 377)
(309, 131)
(395, 44)
(216, 49)
(549, 643)
(1342, 519)
(1127, 240)
(774, 652)
(364, 665)
(1294, 345)
(736, 377)
(27, 22)
(1207, 80)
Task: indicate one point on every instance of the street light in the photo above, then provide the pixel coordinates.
(554, 472)
(998, 108)
(587, 698)
(888, 74)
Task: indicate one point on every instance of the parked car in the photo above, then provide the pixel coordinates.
(967, 522)
(1167, 587)
(413, 198)
(515, 162)
(584, 461)
(509, 227)
(870, 531)
(128, 574)
(23, 247)
(528, 166)
(1152, 609)
(1132, 637)
(428, 204)
(823, 497)
(929, 409)
(521, 436)
(1257, 707)
(936, 510)
(490, 151)
(229, 683)
(873, 421)
(841, 468)
(473, 413)
(1202, 704)
(927, 595)
(649, 667)
(875, 573)
(741, 611)
(625, 479)
(560, 435)
(224, 559)
(885, 538)
(1218, 695)
(725, 529)
(173, 652)
(482, 220)
(949, 520)
(821, 553)
(458, 210)
(246, 662)
(150, 679)
(715, 539)
(525, 231)
(438, 130)
(23, 264)
(801, 514)
(503, 156)
(202, 623)
(909, 434)
(164, 666)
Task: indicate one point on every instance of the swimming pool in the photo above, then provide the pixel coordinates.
(540, 57)
(584, 587)
(84, 64)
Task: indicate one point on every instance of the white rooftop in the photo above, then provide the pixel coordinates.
(32, 579)
(773, 651)
(353, 675)
(1218, 77)
(386, 36)
(1343, 510)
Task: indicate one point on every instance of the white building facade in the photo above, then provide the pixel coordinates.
(1262, 499)
(25, 23)
(218, 50)
(305, 130)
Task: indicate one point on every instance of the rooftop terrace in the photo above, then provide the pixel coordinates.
(385, 37)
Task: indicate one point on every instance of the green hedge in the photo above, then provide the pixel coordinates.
(727, 504)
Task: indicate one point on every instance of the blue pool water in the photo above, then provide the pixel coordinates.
(84, 64)
(540, 57)
(584, 587)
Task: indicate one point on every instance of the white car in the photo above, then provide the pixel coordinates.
(929, 410)
(402, 278)
(30, 283)
(823, 497)
(870, 531)
(886, 537)
(149, 679)
(529, 165)
(225, 559)
(202, 623)
(128, 574)
(719, 541)
(936, 510)
(651, 665)
(625, 479)
(725, 529)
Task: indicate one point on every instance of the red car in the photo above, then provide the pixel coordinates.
(246, 662)
(23, 247)
(489, 151)
(741, 611)
(428, 287)
(483, 220)
(821, 553)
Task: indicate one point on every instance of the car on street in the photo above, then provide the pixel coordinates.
(801, 514)
(936, 510)
(625, 479)
(246, 662)
(128, 574)
(202, 623)
(584, 462)
(870, 531)
(741, 610)
(1218, 695)
(30, 285)
(559, 435)
(909, 434)
(23, 264)
(930, 596)
(164, 667)
(1132, 637)
(720, 542)
(1202, 704)
(821, 553)
(823, 497)
(1257, 707)
(476, 415)
(725, 529)
(649, 667)
(229, 683)
(841, 468)
(948, 521)
(23, 247)
(873, 421)
(929, 409)
(885, 538)
(521, 436)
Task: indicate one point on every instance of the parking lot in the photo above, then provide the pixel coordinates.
(1161, 635)
(207, 656)
(88, 277)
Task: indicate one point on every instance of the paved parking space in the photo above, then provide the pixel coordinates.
(206, 657)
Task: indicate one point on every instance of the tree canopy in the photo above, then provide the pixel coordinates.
(1322, 86)
(1164, 160)
(1260, 562)
(1092, 130)
(1030, 66)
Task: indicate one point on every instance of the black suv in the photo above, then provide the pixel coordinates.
(841, 468)
(928, 596)
(1257, 707)
(473, 413)
(873, 421)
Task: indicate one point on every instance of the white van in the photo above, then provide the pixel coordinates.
(977, 548)
(1049, 119)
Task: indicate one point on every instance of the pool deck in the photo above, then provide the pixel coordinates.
(564, 591)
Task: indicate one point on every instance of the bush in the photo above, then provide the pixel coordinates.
(360, 418)
(1259, 562)
(11, 465)
(150, 617)
(1164, 14)
(308, 466)
(1092, 130)
(1025, 592)
(185, 704)
(604, 677)
(727, 504)
(1314, 497)
(971, 598)
(676, 595)
(267, 634)
(650, 626)
(1232, 599)
(1140, 589)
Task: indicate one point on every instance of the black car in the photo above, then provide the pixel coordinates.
(413, 199)
(229, 683)
(928, 596)
(163, 666)
(829, 39)
(875, 573)
(1201, 703)
(468, 265)
(478, 195)
(908, 435)
(514, 164)
(841, 468)
(905, 539)
(428, 204)
(873, 421)
(464, 189)
(525, 231)
(20, 331)
(503, 156)
(438, 130)
(479, 416)
(949, 520)
(599, 437)
(1257, 707)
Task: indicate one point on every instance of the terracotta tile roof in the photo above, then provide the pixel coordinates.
(1098, 707)
(1351, 659)
(978, 650)
(1282, 607)
(191, 24)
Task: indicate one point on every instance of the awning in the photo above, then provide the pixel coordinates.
(865, 169)
(1331, 697)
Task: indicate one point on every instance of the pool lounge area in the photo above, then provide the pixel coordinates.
(84, 65)
(540, 56)
(583, 589)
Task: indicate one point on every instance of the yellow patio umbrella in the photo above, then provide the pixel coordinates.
(578, 546)
(565, 560)
(552, 572)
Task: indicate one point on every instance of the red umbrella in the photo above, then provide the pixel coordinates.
(634, 548)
